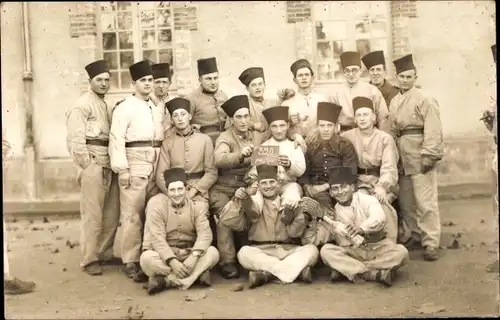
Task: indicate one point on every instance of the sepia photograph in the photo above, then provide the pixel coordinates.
(249, 159)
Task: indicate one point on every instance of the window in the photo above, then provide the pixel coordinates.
(361, 26)
(133, 31)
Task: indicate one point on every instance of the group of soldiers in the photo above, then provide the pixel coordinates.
(174, 186)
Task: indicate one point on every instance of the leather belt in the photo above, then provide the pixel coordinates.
(195, 175)
(97, 142)
(210, 128)
(233, 177)
(345, 128)
(411, 131)
(373, 171)
(142, 144)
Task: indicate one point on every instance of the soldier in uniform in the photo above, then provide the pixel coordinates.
(162, 75)
(415, 125)
(232, 156)
(187, 148)
(378, 160)
(361, 214)
(274, 248)
(328, 150)
(88, 123)
(375, 64)
(351, 64)
(177, 238)
(133, 152)
(206, 101)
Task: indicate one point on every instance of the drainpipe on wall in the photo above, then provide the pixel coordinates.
(29, 145)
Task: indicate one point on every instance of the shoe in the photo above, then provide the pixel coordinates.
(130, 269)
(412, 244)
(306, 275)
(205, 279)
(336, 276)
(111, 262)
(256, 279)
(156, 284)
(16, 286)
(386, 277)
(140, 277)
(229, 271)
(93, 269)
(431, 253)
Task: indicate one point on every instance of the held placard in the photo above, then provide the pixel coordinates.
(265, 155)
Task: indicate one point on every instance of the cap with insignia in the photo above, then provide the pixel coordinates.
(140, 69)
(373, 58)
(328, 111)
(341, 175)
(350, 58)
(494, 52)
(250, 74)
(265, 171)
(174, 175)
(206, 66)
(299, 64)
(361, 102)
(161, 70)
(404, 63)
(96, 68)
(275, 113)
(234, 104)
(178, 103)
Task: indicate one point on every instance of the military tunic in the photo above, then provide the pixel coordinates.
(256, 117)
(306, 106)
(167, 122)
(388, 91)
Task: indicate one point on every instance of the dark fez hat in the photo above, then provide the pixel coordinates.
(174, 175)
(494, 52)
(140, 69)
(350, 58)
(404, 63)
(97, 67)
(265, 171)
(275, 113)
(341, 175)
(206, 66)
(234, 104)
(161, 70)
(328, 111)
(299, 64)
(373, 58)
(361, 102)
(178, 103)
(251, 73)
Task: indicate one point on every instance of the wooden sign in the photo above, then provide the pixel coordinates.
(265, 155)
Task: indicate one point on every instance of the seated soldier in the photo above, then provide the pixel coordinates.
(378, 159)
(189, 149)
(177, 238)
(272, 229)
(361, 214)
(292, 163)
(327, 150)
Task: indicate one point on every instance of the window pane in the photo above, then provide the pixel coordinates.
(149, 55)
(363, 46)
(112, 59)
(379, 28)
(113, 80)
(124, 5)
(126, 59)
(380, 44)
(147, 19)
(165, 38)
(149, 39)
(148, 5)
(125, 20)
(108, 6)
(126, 40)
(164, 18)
(337, 67)
(325, 51)
(331, 30)
(108, 22)
(363, 30)
(166, 56)
(338, 48)
(325, 71)
(126, 79)
(109, 41)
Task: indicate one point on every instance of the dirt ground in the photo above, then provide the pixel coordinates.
(456, 285)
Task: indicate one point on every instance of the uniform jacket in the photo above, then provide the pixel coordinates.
(206, 108)
(388, 91)
(306, 106)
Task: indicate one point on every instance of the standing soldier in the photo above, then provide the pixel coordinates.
(375, 64)
(328, 150)
(232, 156)
(415, 125)
(206, 101)
(184, 147)
(88, 124)
(351, 64)
(162, 75)
(133, 152)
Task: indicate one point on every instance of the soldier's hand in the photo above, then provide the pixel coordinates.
(322, 187)
(241, 194)
(427, 164)
(310, 191)
(179, 269)
(294, 118)
(292, 204)
(299, 142)
(246, 152)
(258, 126)
(312, 136)
(83, 160)
(190, 262)
(251, 190)
(353, 231)
(381, 195)
(284, 161)
(124, 179)
(287, 216)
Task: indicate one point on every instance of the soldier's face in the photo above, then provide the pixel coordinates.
(144, 85)
(240, 119)
(268, 187)
(407, 79)
(210, 82)
(377, 74)
(326, 129)
(342, 192)
(161, 87)
(303, 78)
(364, 118)
(176, 191)
(100, 83)
(352, 74)
(181, 119)
(256, 88)
(279, 129)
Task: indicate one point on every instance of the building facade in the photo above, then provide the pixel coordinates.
(45, 47)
